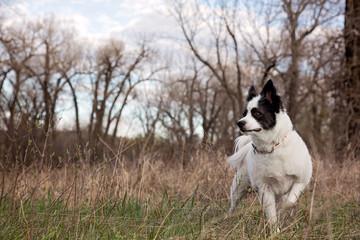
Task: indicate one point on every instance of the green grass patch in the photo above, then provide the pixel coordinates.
(174, 217)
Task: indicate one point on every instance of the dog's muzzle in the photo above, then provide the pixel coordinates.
(241, 124)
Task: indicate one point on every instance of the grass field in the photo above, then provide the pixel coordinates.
(153, 200)
(174, 217)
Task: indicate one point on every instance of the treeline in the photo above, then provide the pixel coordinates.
(43, 63)
(194, 96)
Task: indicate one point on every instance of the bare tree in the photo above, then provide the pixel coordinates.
(108, 62)
(44, 67)
(70, 69)
(148, 112)
(299, 26)
(38, 59)
(218, 52)
(138, 69)
(191, 104)
(177, 108)
(211, 106)
(295, 42)
(114, 78)
(17, 49)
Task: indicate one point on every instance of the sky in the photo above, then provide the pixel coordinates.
(96, 20)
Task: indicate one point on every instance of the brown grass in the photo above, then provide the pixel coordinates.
(335, 179)
(149, 177)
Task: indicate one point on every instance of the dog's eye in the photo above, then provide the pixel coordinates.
(256, 114)
(245, 113)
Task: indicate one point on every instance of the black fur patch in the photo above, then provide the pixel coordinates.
(268, 105)
(252, 93)
(264, 115)
(268, 94)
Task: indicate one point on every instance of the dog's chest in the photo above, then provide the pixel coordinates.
(269, 170)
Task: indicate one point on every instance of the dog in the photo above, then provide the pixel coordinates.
(270, 156)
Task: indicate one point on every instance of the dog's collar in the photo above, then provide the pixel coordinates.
(256, 150)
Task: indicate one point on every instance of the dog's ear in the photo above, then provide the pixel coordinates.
(269, 92)
(252, 93)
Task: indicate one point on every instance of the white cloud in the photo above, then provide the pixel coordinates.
(140, 6)
(109, 25)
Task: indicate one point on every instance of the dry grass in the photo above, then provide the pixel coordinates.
(205, 173)
(336, 179)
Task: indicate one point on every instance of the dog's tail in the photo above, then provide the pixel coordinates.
(241, 148)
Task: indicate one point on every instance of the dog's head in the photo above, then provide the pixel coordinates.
(260, 112)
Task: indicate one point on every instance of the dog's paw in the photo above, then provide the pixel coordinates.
(283, 206)
(231, 209)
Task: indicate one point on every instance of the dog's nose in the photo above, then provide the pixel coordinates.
(241, 124)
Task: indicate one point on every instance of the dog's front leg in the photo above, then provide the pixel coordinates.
(238, 188)
(290, 199)
(267, 198)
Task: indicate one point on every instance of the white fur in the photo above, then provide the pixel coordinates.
(278, 177)
(242, 146)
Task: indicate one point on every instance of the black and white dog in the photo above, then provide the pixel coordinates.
(270, 157)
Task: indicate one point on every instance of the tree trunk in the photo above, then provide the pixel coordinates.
(77, 122)
(352, 74)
